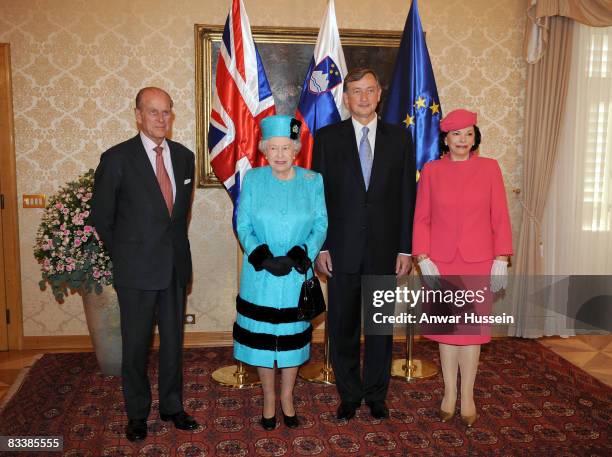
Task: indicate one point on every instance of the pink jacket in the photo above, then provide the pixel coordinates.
(461, 206)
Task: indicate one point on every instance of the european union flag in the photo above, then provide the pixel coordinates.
(413, 97)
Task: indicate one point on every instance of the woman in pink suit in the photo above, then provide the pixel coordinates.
(462, 227)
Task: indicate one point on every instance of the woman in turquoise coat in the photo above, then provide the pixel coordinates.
(281, 224)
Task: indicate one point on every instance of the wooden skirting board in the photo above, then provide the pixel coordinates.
(192, 339)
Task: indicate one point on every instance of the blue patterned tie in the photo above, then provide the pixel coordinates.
(365, 156)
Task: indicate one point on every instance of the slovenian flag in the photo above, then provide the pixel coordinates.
(321, 99)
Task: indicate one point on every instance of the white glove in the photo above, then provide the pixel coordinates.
(499, 275)
(430, 272)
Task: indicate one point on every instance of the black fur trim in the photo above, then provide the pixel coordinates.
(297, 254)
(259, 254)
(270, 342)
(300, 259)
(266, 313)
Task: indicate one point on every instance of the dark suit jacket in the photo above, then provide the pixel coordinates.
(367, 229)
(131, 217)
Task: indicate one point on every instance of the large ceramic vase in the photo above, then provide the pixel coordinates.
(104, 323)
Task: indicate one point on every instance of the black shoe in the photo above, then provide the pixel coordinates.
(136, 429)
(181, 420)
(268, 423)
(346, 410)
(378, 410)
(290, 421)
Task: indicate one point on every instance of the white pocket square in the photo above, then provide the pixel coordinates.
(187, 181)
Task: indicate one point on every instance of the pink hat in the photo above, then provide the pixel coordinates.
(457, 119)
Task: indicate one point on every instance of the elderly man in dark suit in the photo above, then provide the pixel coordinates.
(141, 201)
(368, 170)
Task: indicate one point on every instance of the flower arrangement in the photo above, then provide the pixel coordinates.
(69, 250)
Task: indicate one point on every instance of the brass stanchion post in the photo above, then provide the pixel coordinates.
(320, 372)
(238, 376)
(410, 368)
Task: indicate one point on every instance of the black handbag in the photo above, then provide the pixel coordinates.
(311, 302)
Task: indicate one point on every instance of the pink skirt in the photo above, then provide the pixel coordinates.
(474, 276)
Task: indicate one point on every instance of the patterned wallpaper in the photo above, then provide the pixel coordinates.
(77, 64)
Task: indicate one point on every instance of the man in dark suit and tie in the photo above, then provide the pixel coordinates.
(369, 173)
(141, 201)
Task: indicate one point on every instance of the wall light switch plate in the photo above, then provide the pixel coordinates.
(34, 200)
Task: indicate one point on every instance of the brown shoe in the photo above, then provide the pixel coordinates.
(469, 420)
(445, 416)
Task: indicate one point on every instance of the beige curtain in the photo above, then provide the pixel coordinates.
(594, 13)
(547, 84)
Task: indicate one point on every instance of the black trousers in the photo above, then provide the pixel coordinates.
(139, 310)
(344, 320)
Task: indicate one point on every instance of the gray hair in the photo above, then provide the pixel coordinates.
(144, 90)
(263, 145)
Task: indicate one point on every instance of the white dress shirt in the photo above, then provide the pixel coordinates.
(150, 146)
(371, 133)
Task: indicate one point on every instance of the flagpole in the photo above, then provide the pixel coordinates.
(317, 109)
(241, 375)
(413, 101)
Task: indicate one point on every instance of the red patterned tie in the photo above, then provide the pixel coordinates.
(163, 179)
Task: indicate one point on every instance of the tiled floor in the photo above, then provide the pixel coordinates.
(591, 353)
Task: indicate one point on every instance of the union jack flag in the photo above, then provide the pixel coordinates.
(241, 99)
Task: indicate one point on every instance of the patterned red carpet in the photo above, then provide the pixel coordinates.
(531, 403)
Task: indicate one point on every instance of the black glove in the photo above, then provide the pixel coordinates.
(300, 259)
(278, 266)
(259, 254)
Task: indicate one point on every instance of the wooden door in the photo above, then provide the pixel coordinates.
(11, 329)
(3, 308)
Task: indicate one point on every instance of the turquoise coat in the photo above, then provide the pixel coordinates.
(281, 214)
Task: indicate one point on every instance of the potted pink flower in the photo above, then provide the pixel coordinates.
(73, 259)
(71, 254)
